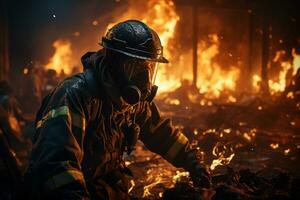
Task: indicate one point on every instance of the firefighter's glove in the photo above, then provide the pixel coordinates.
(198, 172)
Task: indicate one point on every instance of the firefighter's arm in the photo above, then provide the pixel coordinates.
(161, 137)
(55, 166)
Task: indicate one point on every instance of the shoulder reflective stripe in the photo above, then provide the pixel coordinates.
(76, 119)
(176, 147)
(63, 110)
(63, 179)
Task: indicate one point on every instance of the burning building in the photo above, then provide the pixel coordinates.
(232, 84)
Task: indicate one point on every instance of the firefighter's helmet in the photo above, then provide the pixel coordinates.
(134, 39)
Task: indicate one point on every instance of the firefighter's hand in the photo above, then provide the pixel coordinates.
(198, 172)
(200, 176)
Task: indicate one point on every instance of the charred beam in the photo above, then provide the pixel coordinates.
(250, 49)
(265, 53)
(4, 56)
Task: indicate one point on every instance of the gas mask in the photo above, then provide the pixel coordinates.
(139, 78)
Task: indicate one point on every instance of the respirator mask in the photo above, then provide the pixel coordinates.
(139, 78)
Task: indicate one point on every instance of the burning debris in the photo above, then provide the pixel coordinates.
(246, 162)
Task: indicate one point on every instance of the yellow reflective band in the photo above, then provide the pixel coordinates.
(63, 179)
(176, 147)
(76, 119)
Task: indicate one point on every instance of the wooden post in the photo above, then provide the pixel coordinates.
(265, 54)
(195, 44)
(250, 52)
(4, 49)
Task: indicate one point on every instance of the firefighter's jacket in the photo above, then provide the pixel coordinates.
(79, 142)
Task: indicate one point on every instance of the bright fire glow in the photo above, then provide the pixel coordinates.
(221, 161)
(278, 83)
(213, 77)
(156, 181)
(62, 58)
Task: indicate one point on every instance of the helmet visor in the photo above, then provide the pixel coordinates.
(147, 69)
(142, 73)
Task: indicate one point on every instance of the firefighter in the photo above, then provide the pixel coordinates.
(13, 144)
(86, 123)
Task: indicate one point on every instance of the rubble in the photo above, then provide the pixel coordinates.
(256, 133)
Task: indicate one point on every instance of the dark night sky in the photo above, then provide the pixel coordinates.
(35, 24)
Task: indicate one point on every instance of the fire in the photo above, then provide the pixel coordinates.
(279, 86)
(179, 176)
(154, 182)
(221, 161)
(296, 61)
(287, 151)
(61, 61)
(132, 186)
(278, 83)
(274, 146)
(163, 19)
(213, 79)
(256, 80)
(161, 15)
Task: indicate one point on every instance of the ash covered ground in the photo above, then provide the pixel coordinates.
(252, 147)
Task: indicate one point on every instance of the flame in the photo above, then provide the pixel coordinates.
(156, 181)
(163, 19)
(221, 151)
(287, 151)
(274, 146)
(256, 80)
(221, 161)
(179, 176)
(61, 61)
(251, 135)
(172, 101)
(278, 83)
(279, 86)
(213, 79)
(161, 16)
(132, 186)
(25, 71)
(296, 61)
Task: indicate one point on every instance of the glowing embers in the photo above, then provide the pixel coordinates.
(224, 154)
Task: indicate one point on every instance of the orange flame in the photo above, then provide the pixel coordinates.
(278, 84)
(62, 58)
(213, 79)
(156, 181)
